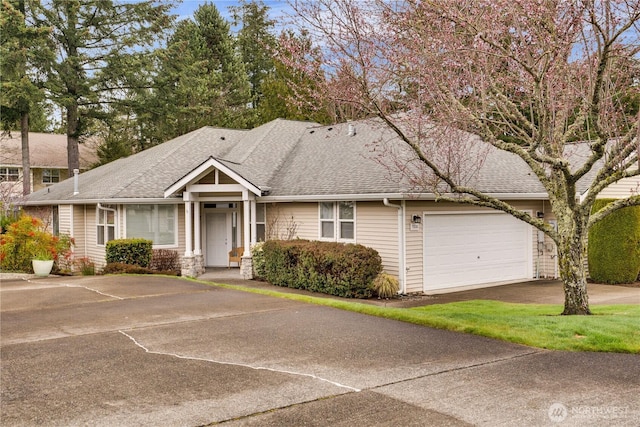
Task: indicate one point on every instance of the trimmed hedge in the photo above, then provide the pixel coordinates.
(129, 251)
(345, 270)
(614, 245)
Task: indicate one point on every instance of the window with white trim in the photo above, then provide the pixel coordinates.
(50, 176)
(327, 220)
(158, 223)
(346, 221)
(337, 221)
(106, 224)
(9, 174)
(261, 222)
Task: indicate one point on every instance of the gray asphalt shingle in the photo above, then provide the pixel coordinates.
(292, 158)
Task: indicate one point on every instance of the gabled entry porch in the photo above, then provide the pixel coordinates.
(220, 215)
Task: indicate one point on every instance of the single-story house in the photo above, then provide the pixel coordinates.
(213, 190)
(47, 157)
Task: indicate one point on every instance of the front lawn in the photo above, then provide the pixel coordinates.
(611, 328)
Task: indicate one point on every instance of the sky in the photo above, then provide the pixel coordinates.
(185, 9)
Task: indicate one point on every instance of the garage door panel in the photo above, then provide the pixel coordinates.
(469, 249)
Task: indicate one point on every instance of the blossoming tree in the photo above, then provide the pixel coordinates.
(529, 77)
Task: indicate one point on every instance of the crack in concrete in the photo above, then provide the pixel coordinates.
(257, 368)
(94, 290)
(459, 368)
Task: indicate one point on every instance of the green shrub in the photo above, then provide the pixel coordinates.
(257, 254)
(165, 260)
(614, 245)
(129, 251)
(345, 270)
(385, 285)
(6, 221)
(27, 239)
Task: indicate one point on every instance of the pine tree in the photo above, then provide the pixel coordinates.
(100, 49)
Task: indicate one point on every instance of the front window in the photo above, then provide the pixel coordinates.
(337, 221)
(157, 223)
(50, 176)
(327, 225)
(106, 224)
(261, 225)
(346, 219)
(9, 174)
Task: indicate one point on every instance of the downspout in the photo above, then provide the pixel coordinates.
(402, 272)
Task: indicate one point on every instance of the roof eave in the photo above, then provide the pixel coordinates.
(394, 196)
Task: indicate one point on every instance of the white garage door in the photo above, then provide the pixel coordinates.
(471, 249)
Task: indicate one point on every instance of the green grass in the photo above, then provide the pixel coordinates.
(611, 328)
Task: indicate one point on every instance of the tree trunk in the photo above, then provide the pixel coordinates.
(26, 160)
(571, 259)
(73, 152)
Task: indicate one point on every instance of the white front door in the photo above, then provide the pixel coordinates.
(218, 238)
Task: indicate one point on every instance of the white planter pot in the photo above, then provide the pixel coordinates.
(42, 268)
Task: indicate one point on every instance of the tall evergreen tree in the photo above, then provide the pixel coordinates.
(20, 96)
(100, 45)
(255, 42)
(288, 93)
(201, 80)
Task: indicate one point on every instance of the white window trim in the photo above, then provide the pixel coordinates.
(264, 220)
(339, 222)
(99, 210)
(54, 173)
(336, 223)
(175, 243)
(5, 173)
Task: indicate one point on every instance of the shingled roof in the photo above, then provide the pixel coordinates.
(293, 159)
(46, 150)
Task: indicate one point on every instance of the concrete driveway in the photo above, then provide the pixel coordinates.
(159, 351)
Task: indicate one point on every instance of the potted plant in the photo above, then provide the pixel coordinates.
(27, 243)
(42, 264)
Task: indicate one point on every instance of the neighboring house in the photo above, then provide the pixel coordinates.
(48, 161)
(213, 190)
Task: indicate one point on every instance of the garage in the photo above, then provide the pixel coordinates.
(465, 249)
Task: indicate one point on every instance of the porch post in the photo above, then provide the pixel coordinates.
(197, 250)
(254, 228)
(246, 227)
(187, 230)
(246, 264)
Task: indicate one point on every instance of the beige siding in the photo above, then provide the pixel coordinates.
(292, 220)
(377, 227)
(181, 231)
(225, 179)
(414, 248)
(65, 213)
(79, 230)
(36, 177)
(94, 252)
(621, 189)
(208, 179)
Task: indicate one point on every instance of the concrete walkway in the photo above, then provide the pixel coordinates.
(147, 350)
